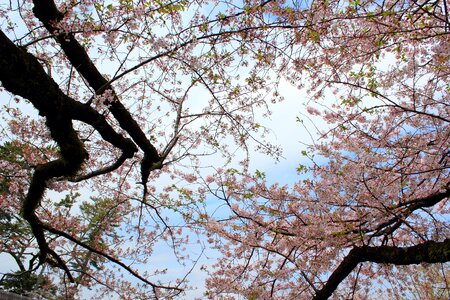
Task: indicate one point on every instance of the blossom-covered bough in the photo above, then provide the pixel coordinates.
(134, 96)
(112, 133)
(372, 203)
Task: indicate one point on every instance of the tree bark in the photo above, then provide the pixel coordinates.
(428, 252)
(47, 12)
(22, 75)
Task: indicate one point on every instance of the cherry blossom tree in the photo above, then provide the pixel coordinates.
(372, 203)
(112, 105)
(115, 104)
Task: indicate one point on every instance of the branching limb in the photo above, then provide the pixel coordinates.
(110, 258)
(47, 12)
(123, 157)
(428, 252)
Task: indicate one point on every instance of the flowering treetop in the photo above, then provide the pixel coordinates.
(376, 191)
(131, 95)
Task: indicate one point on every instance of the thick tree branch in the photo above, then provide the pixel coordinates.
(47, 12)
(411, 206)
(428, 252)
(22, 75)
(401, 212)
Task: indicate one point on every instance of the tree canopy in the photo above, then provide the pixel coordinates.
(130, 126)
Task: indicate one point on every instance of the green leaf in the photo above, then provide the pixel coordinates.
(260, 175)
